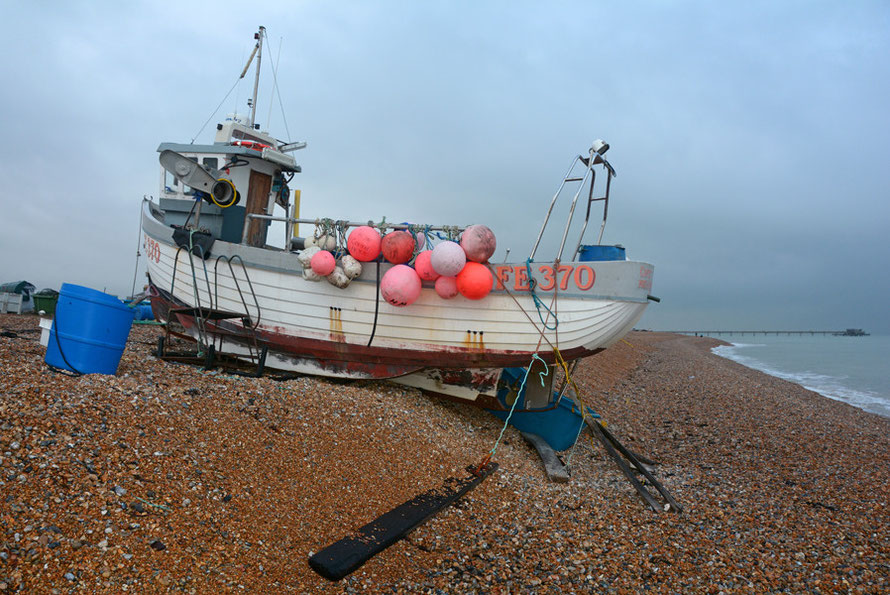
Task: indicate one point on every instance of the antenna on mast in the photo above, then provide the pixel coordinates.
(258, 52)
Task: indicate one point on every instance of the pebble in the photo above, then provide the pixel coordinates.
(157, 545)
(777, 495)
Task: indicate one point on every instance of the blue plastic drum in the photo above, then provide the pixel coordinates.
(143, 311)
(598, 253)
(89, 331)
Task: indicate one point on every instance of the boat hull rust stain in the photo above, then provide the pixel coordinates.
(337, 325)
(475, 340)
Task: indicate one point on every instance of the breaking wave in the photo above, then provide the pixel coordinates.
(833, 387)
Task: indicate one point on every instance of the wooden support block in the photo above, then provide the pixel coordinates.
(556, 471)
(347, 555)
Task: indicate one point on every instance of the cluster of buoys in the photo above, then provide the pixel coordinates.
(455, 268)
(321, 264)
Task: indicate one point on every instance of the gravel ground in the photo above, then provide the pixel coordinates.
(168, 478)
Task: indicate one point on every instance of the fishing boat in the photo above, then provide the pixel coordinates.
(215, 278)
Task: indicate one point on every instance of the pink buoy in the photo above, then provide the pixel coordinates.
(400, 285)
(364, 243)
(448, 259)
(424, 267)
(398, 247)
(323, 263)
(446, 287)
(474, 281)
(478, 242)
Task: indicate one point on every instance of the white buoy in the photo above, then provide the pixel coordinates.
(324, 241)
(305, 256)
(351, 266)
(339, 278)
(311, 275)
(448, 258)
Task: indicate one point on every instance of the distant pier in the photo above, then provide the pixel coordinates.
(850, 332)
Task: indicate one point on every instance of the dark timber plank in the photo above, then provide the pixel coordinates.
(556, 471)
(597, 430)
(636, 462)
(347, 555)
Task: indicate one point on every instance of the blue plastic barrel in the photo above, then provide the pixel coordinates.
(143, 311)
(595, 253)
(89, 331)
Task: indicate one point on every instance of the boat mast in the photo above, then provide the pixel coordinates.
(258, 52)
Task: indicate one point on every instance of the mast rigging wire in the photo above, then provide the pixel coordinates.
(275, 85)
(138, 243)
(216, 110)
(277, 89)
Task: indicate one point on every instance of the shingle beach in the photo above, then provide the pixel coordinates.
(169, 478)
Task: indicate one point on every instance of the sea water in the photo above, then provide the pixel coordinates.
(855, 370)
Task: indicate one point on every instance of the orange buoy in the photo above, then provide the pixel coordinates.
(424, 267)
(446, 287)
(400, 285)
(448, 258)
(323, 263)
(478, 242)
(364, 243)
(398, 247)
(474, 281)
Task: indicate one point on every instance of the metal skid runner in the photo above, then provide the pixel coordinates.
(210, 336)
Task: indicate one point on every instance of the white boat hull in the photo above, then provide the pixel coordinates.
(317, 328)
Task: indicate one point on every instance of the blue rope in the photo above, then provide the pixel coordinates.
(428, 237)
(538, 303)
(546, 372)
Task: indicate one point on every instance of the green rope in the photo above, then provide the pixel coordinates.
(161, 506)
(546, 372)
(538, 303)
(340, 229)
(324, 228)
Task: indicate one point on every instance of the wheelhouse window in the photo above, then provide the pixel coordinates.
(171, 184)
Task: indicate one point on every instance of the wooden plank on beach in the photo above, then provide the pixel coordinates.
(556, 471)
(348, 554)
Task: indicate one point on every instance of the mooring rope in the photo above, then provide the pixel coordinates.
(560, 360)
(497, 442)
(538, 302)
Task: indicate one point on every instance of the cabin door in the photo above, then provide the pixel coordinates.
(257, 201)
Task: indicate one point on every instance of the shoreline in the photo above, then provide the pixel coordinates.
(240, 479)
(833, 385)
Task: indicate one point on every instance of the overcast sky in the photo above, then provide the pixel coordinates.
(750, 138)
